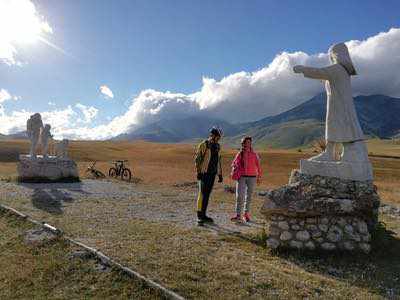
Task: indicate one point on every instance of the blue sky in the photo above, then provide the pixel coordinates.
(131, 46)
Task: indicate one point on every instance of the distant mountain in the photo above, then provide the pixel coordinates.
(15, 136)
(177, 130)
(378, 115)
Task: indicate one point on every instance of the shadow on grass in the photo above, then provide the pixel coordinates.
(50, 197)
(50, 201)
(378, 271)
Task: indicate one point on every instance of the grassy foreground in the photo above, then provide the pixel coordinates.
(47, 272)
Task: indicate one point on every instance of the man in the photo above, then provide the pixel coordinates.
(208, 165)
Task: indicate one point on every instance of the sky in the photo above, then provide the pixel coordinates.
(95, 69)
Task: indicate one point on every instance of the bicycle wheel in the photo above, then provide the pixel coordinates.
(112, 172)
(99, 174)
(126, 174)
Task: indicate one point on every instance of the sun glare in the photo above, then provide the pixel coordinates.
(20, 23)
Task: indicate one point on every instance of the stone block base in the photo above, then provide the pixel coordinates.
(44, 169)
(360, 171)
(325, 233)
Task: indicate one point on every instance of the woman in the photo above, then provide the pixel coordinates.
(247, 171)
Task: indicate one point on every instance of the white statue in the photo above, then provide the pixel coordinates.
(61, 148)
(44, 139)
(342, 124)
(33, 127)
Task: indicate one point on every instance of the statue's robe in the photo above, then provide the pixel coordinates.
(342, 123)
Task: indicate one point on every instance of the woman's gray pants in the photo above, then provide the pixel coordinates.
(244, 191)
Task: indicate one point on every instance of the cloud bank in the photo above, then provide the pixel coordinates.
(246, 96)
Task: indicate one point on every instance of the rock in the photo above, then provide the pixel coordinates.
(366, 237)
(310, 245)
(283, 225)
(341, 221)
(80, 254)
(335, 234)
(319, 240)
(296, 244)
(285, 236)
(311, 220)
(365, 247)
(328, 246)
(272, 243)
(354, 236)
(274, 231)
(38, 237)
(323, 228)
(362, 227)
(348, 245)
(348, 229)
(303, 236)
(316, 234)
(312, 227)
(295, 227)
(324, 221)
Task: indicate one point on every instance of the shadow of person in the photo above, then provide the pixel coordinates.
(377, 271)
(42, 200)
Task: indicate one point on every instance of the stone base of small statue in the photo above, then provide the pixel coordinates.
(360, 171)
(318, 212)
(46, 169)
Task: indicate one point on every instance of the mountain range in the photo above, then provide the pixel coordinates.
(299, 126)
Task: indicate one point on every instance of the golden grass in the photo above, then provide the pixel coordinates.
(167, 164)
(47, 272)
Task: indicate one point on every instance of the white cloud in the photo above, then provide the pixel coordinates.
(50, 103)
(19, 23)
(5, 95)
(242, 96)
(106, 91)
(89, 112)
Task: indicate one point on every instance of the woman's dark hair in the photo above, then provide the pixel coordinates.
(245, 139)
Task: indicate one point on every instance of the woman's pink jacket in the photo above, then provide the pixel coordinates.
(249, 165)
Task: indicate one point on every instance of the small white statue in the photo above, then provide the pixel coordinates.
(33, 127)
(44, 139)
(61, 148)
(342, 125)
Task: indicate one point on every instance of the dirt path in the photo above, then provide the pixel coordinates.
(167, 205)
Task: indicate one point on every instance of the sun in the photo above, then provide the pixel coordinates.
(20, 22)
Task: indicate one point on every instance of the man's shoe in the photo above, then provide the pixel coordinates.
(200, 222)
(208, 219)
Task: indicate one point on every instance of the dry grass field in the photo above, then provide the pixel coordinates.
(167, 164)
(215, 262)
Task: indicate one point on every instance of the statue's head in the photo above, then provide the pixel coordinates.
(47, 127)
(339, 54)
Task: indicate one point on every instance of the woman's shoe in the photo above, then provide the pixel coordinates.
(246, 217)
(236, 218)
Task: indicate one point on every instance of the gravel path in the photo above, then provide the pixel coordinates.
(176, 205)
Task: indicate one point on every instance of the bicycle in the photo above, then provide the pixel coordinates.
(91, 170)
(119, 169)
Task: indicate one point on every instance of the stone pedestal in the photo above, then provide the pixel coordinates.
(319, 212)
(360, 171)
(46, 169)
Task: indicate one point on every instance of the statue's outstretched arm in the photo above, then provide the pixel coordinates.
(315, 73)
